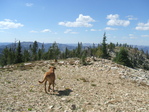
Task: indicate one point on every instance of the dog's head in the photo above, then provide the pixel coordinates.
(52, 68)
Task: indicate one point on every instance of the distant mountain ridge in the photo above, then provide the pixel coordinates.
(4, 43)
(144, 48)
(62, 47)
(26, 45)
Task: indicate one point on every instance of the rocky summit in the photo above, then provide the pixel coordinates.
(100, 86)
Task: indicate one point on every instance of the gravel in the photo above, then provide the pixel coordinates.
(101, 86)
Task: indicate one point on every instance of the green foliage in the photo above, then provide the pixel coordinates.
(99, 52)
(122, 58)
(54, 52)
(4, 57)
(83, 58)
(15, 54)
(146, 67)
(18, 58)
(26, 56)
(111, 46)
(29, 109)
(66, 54)
(34, 49)
(104, 47)
(39, 55)
(93, 85)
(10, 56)
(79, 50)
(147, 55)
(7, 57)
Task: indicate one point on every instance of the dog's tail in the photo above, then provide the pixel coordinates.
(42, 81)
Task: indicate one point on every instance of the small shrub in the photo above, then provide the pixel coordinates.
(93, 85)
(29, 109)
(84, 80)
(59, 78)
(8, 82)
(109, 83)
(43, 70)
(31, 90)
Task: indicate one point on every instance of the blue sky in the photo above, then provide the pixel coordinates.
(73, 21)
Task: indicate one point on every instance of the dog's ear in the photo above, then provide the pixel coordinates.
(54, 67)
(49, 67)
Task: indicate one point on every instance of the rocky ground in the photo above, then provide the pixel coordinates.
(102, 86)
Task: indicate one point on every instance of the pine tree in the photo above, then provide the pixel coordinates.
(34, 49)
(39, 54)
(104, 47)
(122, 58)
(111, 46)
(26, 56)
(42, 51)
(99, 52)
(79, 50)
(54, 52)
(18, 54)
(66, 54)
(93, 51)
(83, 58)
(11, 56)
(147, 55)
(4, 57)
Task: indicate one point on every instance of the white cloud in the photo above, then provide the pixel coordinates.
(144, 35)
(29, 4)
(109, 28)
(116, 16)
(143, 26)
(115, 21)
(84, 19)
(132, 36)
(81, 21)
(70, 31)
(131, 17)
(7, 24)
(74, 32)
(33, 31)
(43, 31)
(95, 30)
(55, 33)
(46, 30)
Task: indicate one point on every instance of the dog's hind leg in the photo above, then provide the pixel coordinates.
(45, 86)
(53, 85)
(49, 87)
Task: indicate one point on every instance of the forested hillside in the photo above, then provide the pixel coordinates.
(120, 53)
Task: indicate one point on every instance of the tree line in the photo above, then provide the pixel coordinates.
(15, 54)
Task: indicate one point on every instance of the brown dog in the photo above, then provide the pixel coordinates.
(50, 77)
